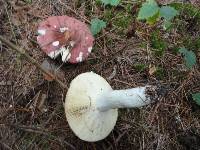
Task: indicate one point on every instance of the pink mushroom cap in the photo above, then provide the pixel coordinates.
(65, 36)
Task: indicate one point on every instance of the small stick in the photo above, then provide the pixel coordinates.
(31, 60)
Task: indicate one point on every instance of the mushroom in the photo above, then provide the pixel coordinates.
(91, 105)
(66, 36)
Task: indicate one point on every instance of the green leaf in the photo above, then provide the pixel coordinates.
(111, 2)
(148, 9)
(196, 98)
(189, 56)
(168, 12)
(97, 25)
(152, 20)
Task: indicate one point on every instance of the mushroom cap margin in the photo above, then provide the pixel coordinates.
(85, 120)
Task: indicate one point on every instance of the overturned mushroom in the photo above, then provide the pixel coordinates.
(91, 105)
(66, 36)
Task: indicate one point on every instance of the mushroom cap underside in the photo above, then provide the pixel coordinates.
(86, 121)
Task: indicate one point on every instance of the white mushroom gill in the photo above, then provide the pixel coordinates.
(72, 43)
(65, 53)
(89, 49)
(80, 57)
(63, 29)
(54, 54)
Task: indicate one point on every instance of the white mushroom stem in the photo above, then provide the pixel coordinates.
(135, 97)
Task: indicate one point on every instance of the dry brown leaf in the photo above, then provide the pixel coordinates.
(152, 69)
(52, 68)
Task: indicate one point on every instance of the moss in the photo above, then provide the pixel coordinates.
(110, 42)
(160, 73)
(98, 2)
(129, 8)
(108, 15)
(140, 67)
(187, 9)
(188, 23)
(192, 44)
(158, 44)
(79, 3)
(197, 44)
(175, 49)
(143, 44)
(88, 9)
(188, 20)
(120, 19)
(28, 1)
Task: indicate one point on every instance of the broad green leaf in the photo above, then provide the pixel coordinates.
(148, 9)
(97, 25)
(111, 2)
(152, 20)
(168, 12)
(189, 56)
(196, 98)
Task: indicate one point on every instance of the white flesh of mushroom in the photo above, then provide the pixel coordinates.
(55, 43)
(89, 49)
(42, 32)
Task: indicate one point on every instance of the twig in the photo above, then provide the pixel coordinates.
(31, 60)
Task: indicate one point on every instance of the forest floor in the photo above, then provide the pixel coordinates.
(127, 53)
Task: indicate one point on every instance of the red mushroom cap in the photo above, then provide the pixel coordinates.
(66, 36)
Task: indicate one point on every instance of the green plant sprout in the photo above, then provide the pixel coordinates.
(97, 25)
(151, 12)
